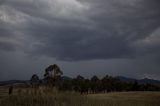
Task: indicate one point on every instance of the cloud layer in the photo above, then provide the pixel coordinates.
(79, 30)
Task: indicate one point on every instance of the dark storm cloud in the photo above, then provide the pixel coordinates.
(94, 30)
(90, 30)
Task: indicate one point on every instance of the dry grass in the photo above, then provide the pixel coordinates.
(51, 97)
(128, 98)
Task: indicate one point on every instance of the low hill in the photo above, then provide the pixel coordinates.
(140, 81)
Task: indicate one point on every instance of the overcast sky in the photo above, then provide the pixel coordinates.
(87, 37)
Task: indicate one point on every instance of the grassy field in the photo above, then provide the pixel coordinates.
(51, 97)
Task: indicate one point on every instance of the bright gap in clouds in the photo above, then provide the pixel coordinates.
(19, 11)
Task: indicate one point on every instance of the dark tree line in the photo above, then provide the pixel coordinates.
(53, 78)
(104, 85)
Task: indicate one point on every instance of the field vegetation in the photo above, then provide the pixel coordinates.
(54, 90)
(52, 97)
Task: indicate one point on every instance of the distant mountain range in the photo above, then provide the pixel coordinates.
(66, 78)
(25, 81)
(121, 78)
(140, 81)
(12, 82)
